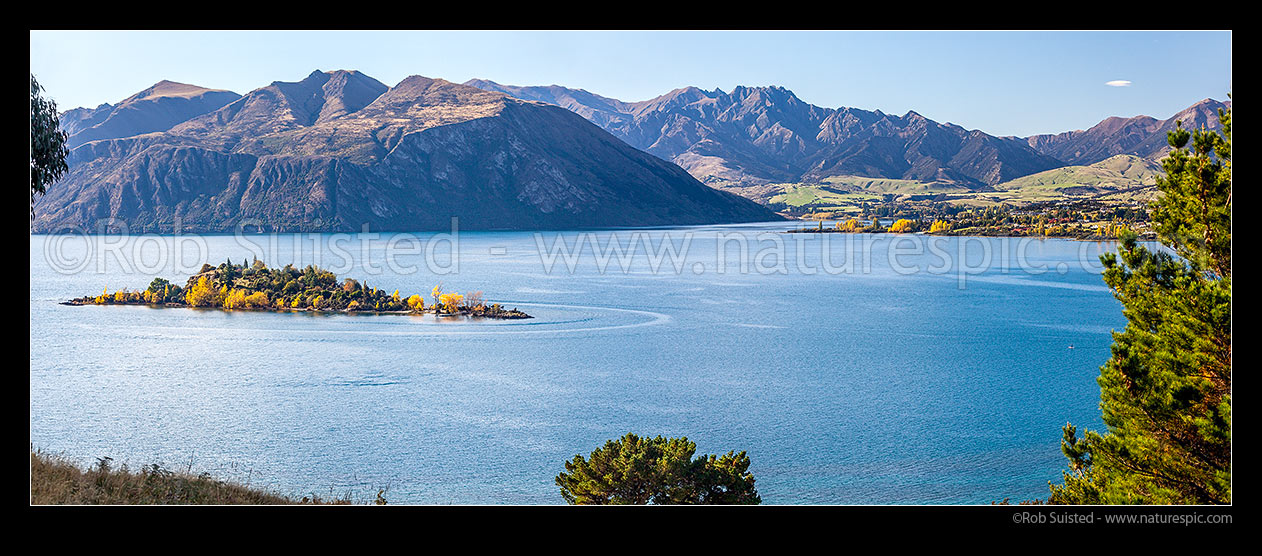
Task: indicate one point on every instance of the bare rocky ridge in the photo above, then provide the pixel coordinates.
(756, 135)
(759, 135)
(155, 109)
(1141, 136)
(338, 150)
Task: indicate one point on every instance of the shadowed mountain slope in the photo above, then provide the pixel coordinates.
(337, 151)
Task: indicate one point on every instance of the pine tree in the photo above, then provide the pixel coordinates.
(1165, 394)
(642, 470)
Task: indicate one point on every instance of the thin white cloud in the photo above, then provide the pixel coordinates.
(1119, 83)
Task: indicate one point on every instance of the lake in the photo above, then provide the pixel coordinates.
(928, 370)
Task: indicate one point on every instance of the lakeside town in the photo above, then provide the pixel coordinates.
(1091, 220)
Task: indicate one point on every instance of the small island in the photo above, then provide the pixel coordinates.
(312, 289)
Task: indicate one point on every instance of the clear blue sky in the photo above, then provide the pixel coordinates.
(1004, 83)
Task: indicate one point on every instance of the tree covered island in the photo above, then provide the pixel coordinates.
(257, 287)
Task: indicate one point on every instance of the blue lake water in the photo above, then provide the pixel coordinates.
(931, 371)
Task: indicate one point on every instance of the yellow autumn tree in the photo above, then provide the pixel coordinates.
(235, 299)
(202, 294)
(851, 225)
(902, 226)
(450, 301)
(416, 302)
(1114, 229)
(257, 300)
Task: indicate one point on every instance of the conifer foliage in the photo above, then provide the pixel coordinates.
(1165, 394)
(641, 470)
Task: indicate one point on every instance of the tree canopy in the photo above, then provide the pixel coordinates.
(48, 143)
(1165, 394)
(636, 470)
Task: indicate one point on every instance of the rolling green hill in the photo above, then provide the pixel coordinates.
(1119, 178)
(884, 186)
(842, 194)
(1121, 175)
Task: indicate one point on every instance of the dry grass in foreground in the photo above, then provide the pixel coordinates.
(54, 480)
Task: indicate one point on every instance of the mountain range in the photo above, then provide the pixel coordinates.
(758, 135)
(155, 109)
(1141, 136)
(339, 150)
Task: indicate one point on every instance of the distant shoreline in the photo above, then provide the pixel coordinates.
(1149, 236)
